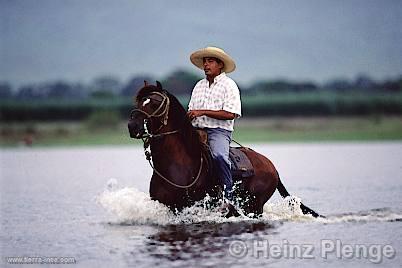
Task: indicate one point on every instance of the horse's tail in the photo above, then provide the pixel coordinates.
(284, 193)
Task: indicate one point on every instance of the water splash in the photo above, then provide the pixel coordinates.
(286, 209)
(131, 206)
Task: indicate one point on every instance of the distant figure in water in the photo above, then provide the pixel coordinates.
(28, 137)
(28, 140)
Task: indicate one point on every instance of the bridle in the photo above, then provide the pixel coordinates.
(161, 112)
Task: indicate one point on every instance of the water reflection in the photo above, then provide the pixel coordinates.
(201, 240)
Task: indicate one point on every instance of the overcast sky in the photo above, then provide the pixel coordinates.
(79, 40)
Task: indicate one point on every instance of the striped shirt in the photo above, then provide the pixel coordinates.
(223, 94)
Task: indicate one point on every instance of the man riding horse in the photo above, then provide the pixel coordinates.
(214, 104)
(180, 160)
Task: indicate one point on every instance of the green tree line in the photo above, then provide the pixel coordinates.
(62, 100)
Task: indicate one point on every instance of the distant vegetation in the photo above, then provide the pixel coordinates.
(108, 97)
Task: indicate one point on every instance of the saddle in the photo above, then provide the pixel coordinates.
(241, 167)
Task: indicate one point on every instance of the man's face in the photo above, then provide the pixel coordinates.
(212, 66)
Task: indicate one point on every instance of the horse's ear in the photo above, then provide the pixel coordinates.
(159, 85)
(145, 83)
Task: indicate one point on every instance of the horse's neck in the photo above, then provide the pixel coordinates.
(173, 148)
(172, 157)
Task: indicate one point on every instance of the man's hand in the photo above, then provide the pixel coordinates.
(221, 115)
(194, 113)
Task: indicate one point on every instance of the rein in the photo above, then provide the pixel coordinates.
(149, 158)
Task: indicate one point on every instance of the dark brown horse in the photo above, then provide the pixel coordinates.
(182, 170)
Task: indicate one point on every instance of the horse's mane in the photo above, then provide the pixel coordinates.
(190, 135)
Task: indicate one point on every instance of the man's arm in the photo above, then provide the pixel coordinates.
(221, 114)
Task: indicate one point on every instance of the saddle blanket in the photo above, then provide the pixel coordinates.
(241, 166)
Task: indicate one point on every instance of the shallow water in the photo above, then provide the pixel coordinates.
(92, 204)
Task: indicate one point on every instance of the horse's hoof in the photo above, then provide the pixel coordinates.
(231, 211)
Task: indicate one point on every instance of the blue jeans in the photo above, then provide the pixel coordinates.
(219, 140)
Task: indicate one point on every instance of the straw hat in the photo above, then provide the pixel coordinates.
(214, 52)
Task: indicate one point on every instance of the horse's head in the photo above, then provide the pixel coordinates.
(152, 110)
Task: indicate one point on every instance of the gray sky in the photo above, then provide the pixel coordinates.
(78, 40)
